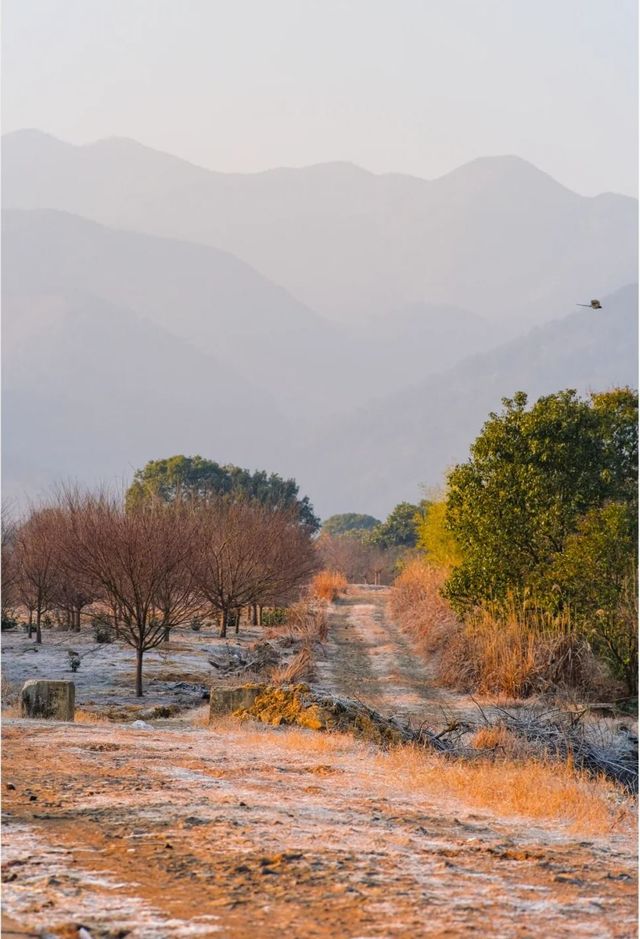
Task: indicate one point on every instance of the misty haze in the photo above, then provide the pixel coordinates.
(319, 465)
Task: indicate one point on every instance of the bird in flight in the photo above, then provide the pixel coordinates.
(594, 305)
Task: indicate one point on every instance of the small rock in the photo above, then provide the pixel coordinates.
(11, 786)
(141, 725)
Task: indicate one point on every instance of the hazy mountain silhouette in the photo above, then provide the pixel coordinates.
(226, 309)
(496, 236)
(91, 390)
(384, 453)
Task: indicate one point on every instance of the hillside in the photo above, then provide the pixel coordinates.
(383, 454)
(91, 391)
(496, 236)
(224, 308)
(121, 347)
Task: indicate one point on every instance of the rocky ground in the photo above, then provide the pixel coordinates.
(180, 829)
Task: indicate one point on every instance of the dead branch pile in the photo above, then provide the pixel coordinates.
(598, 748)
(592, 746)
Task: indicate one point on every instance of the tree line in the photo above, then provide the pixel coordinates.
(155, 563)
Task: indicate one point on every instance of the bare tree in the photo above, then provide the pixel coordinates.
(358, 560)
(37, 564)
(9, 568)
(142, 561)
(289, 558)
(249, 554)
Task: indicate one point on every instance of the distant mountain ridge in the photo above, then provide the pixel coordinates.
(497, 235)
(386, 452)
(227, 310)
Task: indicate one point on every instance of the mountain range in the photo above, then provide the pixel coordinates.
(348, 328)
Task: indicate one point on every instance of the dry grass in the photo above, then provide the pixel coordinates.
(306, 622)
(300, 668)
(501, 742)
(504, 652)
(90, 717)
(520, 658)
(328, 585)
(199, 717)
(418, 606)
(11, 710)
(531, 788)
(508, 785)
(295, 739)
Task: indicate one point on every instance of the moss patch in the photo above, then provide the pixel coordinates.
(298, 705)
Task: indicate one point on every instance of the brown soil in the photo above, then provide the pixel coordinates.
(241, 830)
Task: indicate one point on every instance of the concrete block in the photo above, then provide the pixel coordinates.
(48, 700)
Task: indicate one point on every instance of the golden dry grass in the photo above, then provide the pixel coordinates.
(509, 784)
(504, 652)
(288, 738)
(328, 585)
(90, 717)
(516, 657)
(300, 668)
(531, 788)
(501, 742)
(419, 608)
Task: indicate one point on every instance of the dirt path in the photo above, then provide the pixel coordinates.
(247, 830)
(177, 829)
(370, 659)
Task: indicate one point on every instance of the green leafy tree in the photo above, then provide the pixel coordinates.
(435, 538)
(400, 528)
(349, 522)
(594, 578)
(617, 413)
(532, 474)
(197, 477)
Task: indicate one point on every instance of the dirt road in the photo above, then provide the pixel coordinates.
(240, 830)
(370, 659)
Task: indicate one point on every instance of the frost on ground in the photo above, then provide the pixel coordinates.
(173, 828)
(176, 674)
(185, 830)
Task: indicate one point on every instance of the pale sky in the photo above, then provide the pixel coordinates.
(412, 86)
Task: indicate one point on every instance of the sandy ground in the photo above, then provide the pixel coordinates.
(236, 830)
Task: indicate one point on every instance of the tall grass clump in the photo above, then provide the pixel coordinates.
(328, 585)
(418, 606)
(509, 654)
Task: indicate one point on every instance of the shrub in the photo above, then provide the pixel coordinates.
(74, 660)
(518, 658)
(274, 617)
(103, 631)
(195, 625)
(328, 585)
